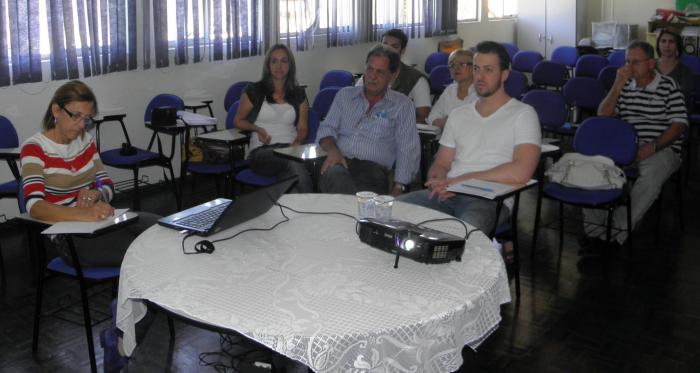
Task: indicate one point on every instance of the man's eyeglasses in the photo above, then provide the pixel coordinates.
(636, 62)
(464, 65)
(88, 122)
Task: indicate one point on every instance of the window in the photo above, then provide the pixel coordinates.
(468, 10)
(502, 9)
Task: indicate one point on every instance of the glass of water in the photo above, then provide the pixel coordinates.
(382, 207)
(365, 204)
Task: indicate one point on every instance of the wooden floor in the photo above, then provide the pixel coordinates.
(634, 312)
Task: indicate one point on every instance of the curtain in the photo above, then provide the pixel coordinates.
(417, 18)
(24, 40)
(302, 16)
(348, 22)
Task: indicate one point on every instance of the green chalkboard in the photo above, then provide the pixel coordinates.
(681, 4)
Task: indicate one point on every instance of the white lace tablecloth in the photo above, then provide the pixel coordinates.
(312, 291)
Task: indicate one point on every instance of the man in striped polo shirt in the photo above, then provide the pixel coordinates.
(654, 104)
(370, 130)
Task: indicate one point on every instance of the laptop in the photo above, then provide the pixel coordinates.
(222, 213)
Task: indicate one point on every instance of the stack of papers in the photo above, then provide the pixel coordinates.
(193, 119)
(486, 189)
(427, 128)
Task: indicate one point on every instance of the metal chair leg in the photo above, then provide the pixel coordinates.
(536, 229)
(136, 203)
(39, 294)
(84, 300)
(561, 226)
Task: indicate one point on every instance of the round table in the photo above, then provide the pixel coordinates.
(310, 290)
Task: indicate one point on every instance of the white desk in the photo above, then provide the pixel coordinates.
(312, 291)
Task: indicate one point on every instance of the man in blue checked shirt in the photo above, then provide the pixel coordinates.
(369, 131)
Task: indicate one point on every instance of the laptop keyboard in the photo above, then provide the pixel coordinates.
(203, 219)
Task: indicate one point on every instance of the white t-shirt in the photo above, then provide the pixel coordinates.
(449, 101)
(484, 143)
(278, 121)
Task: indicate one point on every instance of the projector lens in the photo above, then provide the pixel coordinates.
(409, 244)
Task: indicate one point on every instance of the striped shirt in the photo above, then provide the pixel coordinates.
(56, 172)
(653, 108)
(386, 134)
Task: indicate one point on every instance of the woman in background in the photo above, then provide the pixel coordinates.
(668, 44)
(63, 178)
(276, 110)
(459, 93)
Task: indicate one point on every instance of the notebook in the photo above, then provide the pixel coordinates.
(222, 213)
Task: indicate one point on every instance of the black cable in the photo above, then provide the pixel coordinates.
(316, 212)
(468, 232)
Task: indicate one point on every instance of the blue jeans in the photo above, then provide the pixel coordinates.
(479, 213)
(360, 175)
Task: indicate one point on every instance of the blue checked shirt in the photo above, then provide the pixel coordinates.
(386, 135)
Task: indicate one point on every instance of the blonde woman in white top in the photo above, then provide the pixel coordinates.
(459, 93)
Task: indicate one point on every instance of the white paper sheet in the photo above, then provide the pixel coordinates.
(84, 226)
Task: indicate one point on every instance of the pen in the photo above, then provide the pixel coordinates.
(477, 188)
(99, 188)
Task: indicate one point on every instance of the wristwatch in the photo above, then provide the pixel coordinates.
(400, 186)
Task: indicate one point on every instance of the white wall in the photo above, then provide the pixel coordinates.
(130, 91)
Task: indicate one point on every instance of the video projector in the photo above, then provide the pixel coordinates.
(421, 244)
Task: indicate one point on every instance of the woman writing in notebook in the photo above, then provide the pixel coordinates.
(276, 110)
(63, 178)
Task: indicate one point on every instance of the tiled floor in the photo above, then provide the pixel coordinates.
(629, 313)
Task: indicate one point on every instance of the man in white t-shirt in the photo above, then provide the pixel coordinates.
(496, 138)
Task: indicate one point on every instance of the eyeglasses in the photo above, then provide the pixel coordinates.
(88, 122)
(464, 65)
(636, 62)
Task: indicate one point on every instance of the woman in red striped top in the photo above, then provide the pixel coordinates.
(63, 178)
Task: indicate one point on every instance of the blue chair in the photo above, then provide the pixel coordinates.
(616, 58)
(589, 65)
(525, 61)
(249, 177)
(583, 95)
(607, 76)
(605, 136)
(439, 78)
(337, 78)
(692, 62)
(551, 110)
(516, 84)
(549, 74)
(145, 157)
(234, 93)
(435, 59)
(511, 48)
(86, 276)
(225, 169)
(323, 100)
(565, 55)
(9, 139)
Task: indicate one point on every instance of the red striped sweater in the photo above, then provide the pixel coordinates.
(56, 172)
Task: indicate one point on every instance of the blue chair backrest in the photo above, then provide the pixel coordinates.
(585, 93)
(589, 65)
(525, 61)
(231, 115)
(511, 48)
(549, 105)
(439, 78)
(312, 125)
(607, 76)
(692, 62)
(565, 55)
(337, 78)
(163, 100)
(234, 93)
(516, 84)
(616, 58)
(548, 73)
(435, 59)
(323, 100)
(8, 134)
(611, 137)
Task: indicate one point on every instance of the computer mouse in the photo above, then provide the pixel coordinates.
(204, 246)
